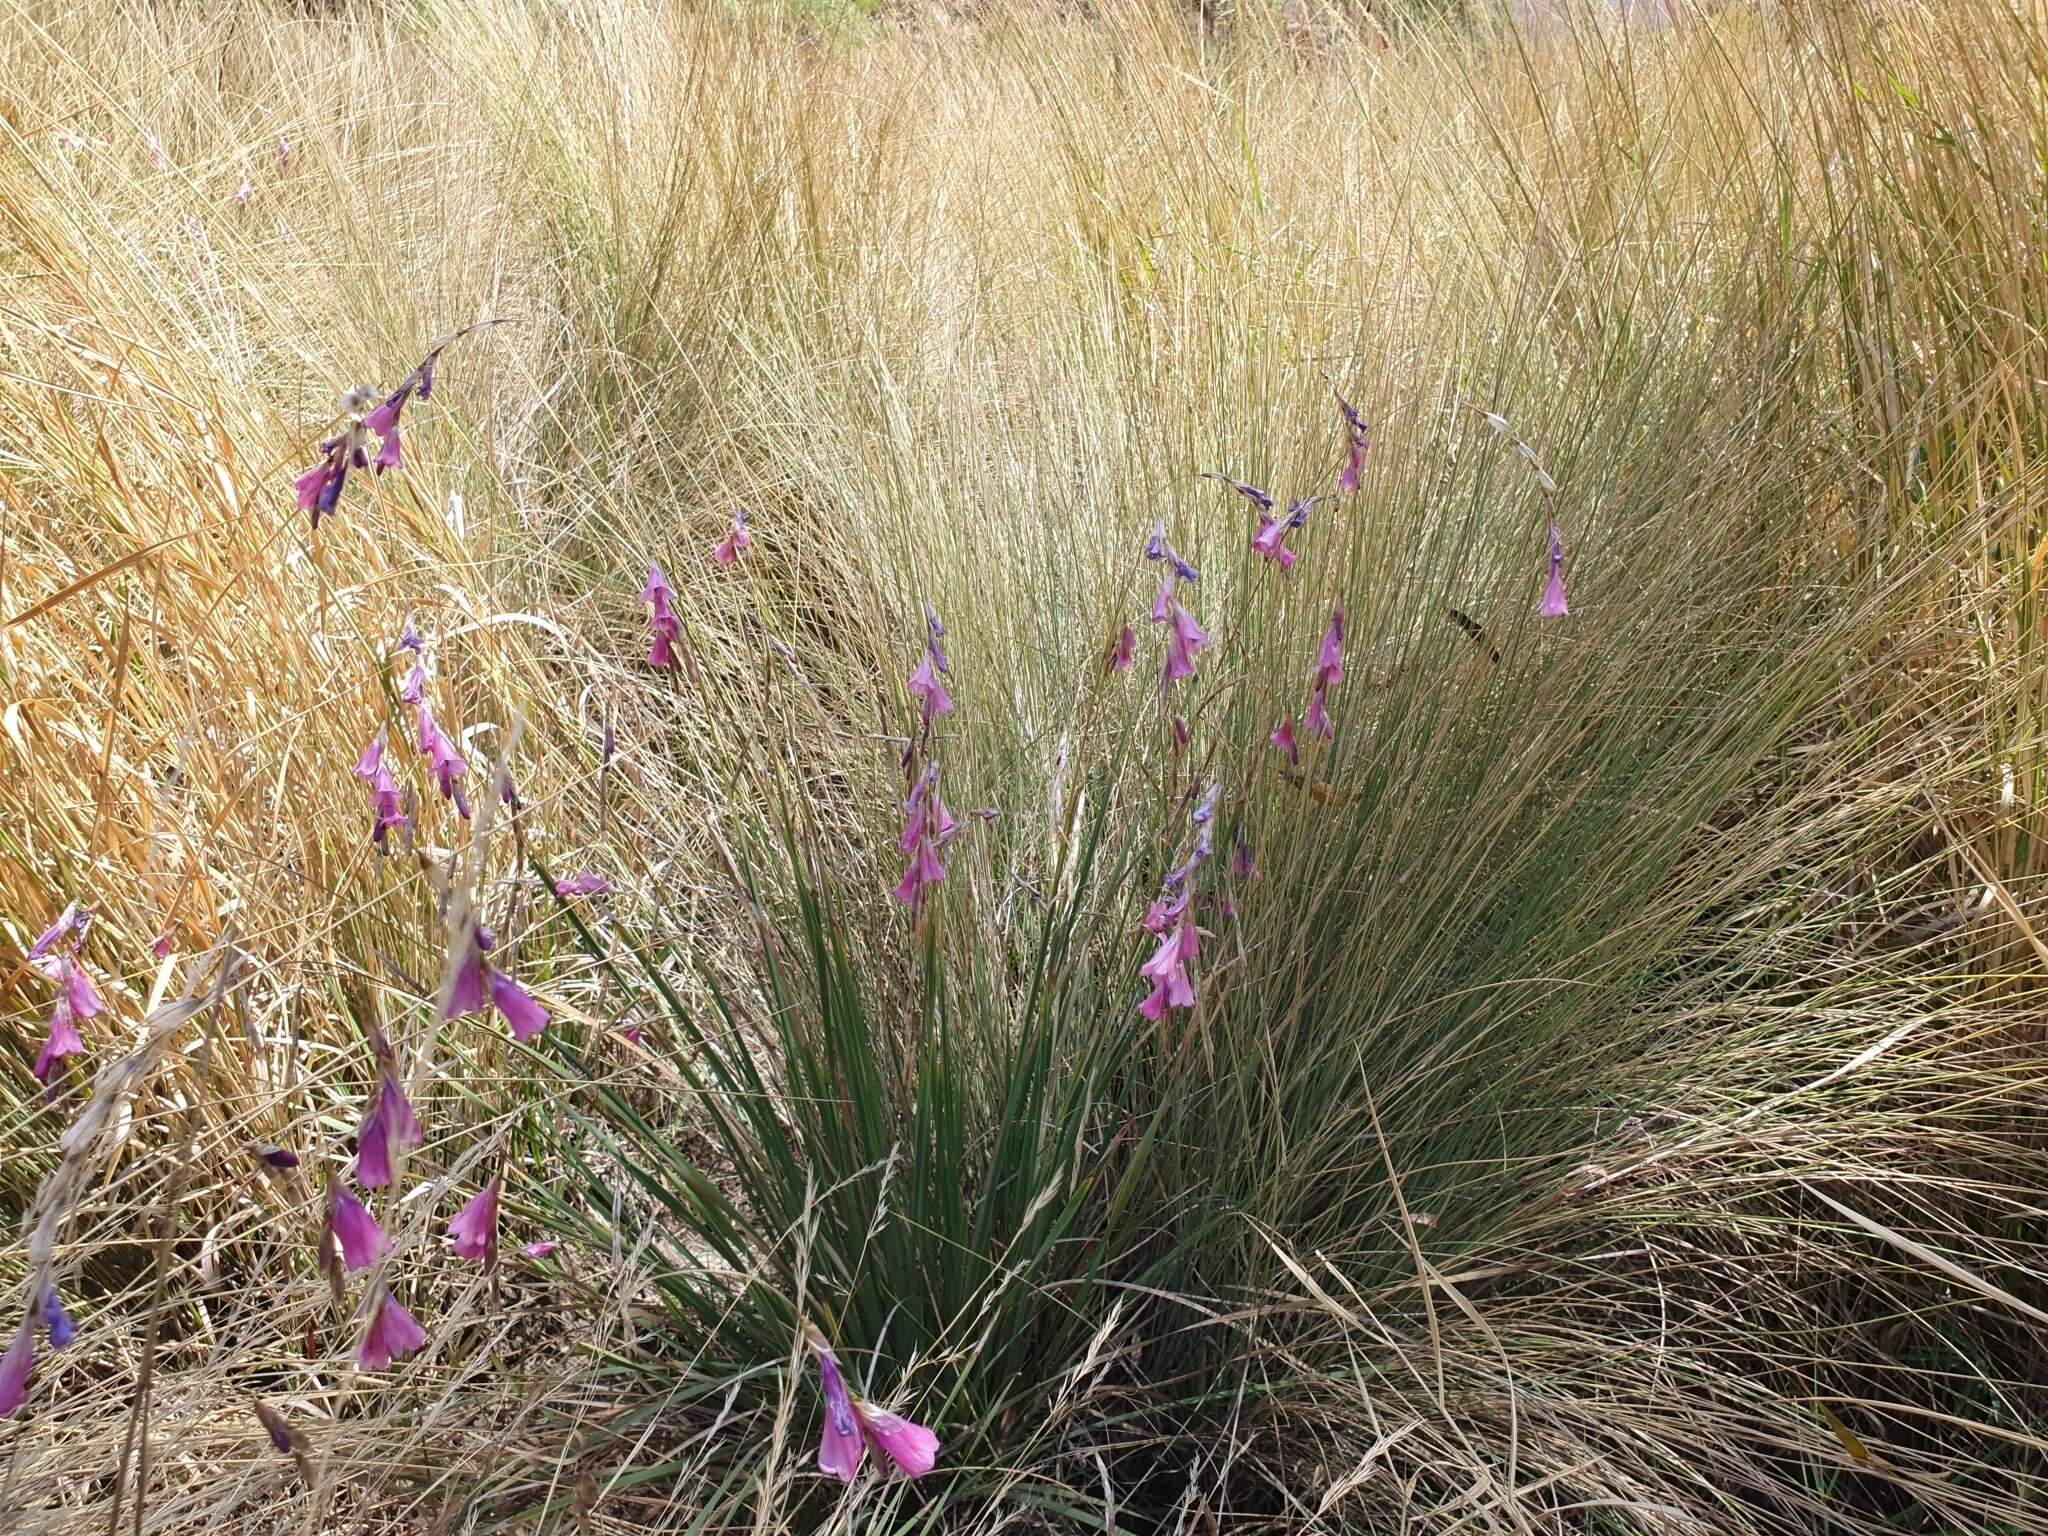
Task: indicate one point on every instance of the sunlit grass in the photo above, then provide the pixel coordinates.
(1655, 982)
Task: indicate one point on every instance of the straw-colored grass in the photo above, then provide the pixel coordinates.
(1616, 1106)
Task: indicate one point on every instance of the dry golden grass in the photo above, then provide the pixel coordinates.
(949, 304)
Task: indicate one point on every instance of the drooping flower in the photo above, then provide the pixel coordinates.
(516, 1006)
(274, 1425)
(1283, 738)
(161, 947)
(79, 991)
(1124, 652)
(924, 684)
(414, 688)
(63, 1041)
(389, 1122)
(409, 638)
(926, 828)
(362, 1241)
(391, 1335)
(1167, 969)
(1330, 659)
(1183, 642)
(16, 1367)
(1180, 732)
(843, 1446)
(1554, 605)
(1267, 542)
(444, 762)
(475, 1226)
(319, 488)
(468, 994)
(667, 627)
(477, 982)
(387, 805)
(62, 1329)
(1251, 493)
(1162, 601)
(373, 756)
(1329, 671)
(587, 883)
(1156, 548)
(55, 934)
(913, 1448)
(1358, 437)
(737, 540)
(541, 1249)
(274, 1157)
(1241, 865)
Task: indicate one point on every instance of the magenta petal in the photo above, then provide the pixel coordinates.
(310, 484)
(384, 420)
(540, 1250)
(475, 1227)
(1126, 648)
(467, 995)
(63, 1041)
(373, 754)
(392, 1333)
(840, 1452)
(388, 452)
(924, 684)
(913, 1448)
(516, 1006)
(362, 1241)
(79, 991)
(15, 1368)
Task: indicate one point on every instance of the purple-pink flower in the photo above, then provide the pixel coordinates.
(853, 1426)
(842, 1448)
(1283, 738)
(1125, 651)
(927, 827)
(391, 1335)
(1156, 548)
(56, 933)
(362, 1241)
(1358, 437)
(1183, 641)
(516, 1006)
(913, 1448)
(1167, 970)
(62, 1329)
(541, 1249)
(414, 688)
(373, 755)
(1554, 605)
(667, 627)
(586, 883)
(737, 540)
(389, 1122)
(274, 1157)
(477, 982)
(1241, 865)
(1267, 541)
(445, 764)
(63, 1041)
(924, 684)
(475, 1226)
(1329, 671)
(16, 1367)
